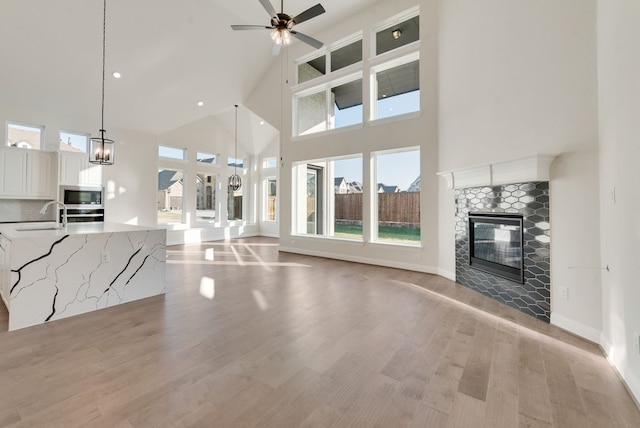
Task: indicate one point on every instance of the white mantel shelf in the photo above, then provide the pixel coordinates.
(528, 168)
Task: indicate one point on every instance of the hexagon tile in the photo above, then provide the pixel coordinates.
(531, 200)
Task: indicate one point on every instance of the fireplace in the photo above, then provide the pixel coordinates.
(495, 245)
(503, 244)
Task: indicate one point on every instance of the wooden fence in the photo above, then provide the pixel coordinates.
(403, 207)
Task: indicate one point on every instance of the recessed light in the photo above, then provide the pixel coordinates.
(200, 103)
(384, 95)
(116, 74)
(262, 122)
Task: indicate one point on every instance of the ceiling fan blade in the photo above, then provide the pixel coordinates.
(268, 7)
(308, 40)
(250, 27)
(312, 12)
(275, 49)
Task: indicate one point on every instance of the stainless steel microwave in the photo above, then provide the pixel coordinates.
(82, 196)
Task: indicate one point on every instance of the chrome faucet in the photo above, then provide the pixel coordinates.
(64, 211)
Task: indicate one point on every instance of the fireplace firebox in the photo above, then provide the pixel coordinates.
(495, 245)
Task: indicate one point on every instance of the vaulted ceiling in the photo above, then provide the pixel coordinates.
(170, 53)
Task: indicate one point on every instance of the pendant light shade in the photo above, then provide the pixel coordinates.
(235, 182)
(102, 149)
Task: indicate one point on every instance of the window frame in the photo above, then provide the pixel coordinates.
(327, 187)
(375, 224)
(329, 108)
(216, 197)
(83, 134)
(265, 211)
(42, 128)
(185, 154)
(185, 184)
(398, 61)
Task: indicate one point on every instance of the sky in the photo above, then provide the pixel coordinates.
(399, 169)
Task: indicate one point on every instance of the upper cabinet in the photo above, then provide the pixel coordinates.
(27, 174)
(75, 170)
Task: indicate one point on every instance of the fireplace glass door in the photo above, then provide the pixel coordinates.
(495, 245)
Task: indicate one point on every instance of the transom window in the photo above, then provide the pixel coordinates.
(207, 158)
(74, 142)
(172, 152)
(397, 35)
(25, 136)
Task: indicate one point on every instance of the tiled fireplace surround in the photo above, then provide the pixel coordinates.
(531, 200)
(519, 186)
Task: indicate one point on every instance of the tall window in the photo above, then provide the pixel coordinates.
(74, 142)
(170, 201)
(206, 200)
(234, 203)
(271, 192)
(25, 136)
(397, 177)
(328, 197)
(347, 198)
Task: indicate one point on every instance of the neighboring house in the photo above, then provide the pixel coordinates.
(340, 185)
(355, 187)
(170, 187)
(382, 188)
(415, 186)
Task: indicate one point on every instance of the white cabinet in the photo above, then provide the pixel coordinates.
(75, 170)
(26, 174)
(13, 172)
(41, 182)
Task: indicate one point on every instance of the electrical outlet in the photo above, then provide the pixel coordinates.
(564, 293)
(106, 257)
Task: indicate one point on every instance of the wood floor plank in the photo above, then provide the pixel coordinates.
(293, 340)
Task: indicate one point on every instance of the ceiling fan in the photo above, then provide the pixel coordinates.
(282, 26)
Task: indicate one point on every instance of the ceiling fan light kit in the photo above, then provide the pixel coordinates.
(282, 26)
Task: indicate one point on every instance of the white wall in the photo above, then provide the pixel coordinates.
(619, 85)
(131, 183)
(518, 78)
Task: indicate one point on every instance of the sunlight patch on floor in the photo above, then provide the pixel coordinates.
(207, 287)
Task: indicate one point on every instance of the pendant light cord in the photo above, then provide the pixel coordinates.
(235, 164)
(104, 48)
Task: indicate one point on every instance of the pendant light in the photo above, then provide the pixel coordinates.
(102, 149)
(235, 182)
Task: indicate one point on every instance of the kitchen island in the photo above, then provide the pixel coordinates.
(49, 273)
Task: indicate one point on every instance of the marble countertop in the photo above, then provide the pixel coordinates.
(42, 229)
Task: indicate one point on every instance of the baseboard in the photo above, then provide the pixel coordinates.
(629, 380)
(269, 235)
(363, 260)
(576, 328)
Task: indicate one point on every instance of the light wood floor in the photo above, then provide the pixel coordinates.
(257, 338)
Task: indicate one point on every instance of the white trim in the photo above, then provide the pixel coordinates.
(363, 260)
(528, 168)
(630, 381)
(575, 327)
